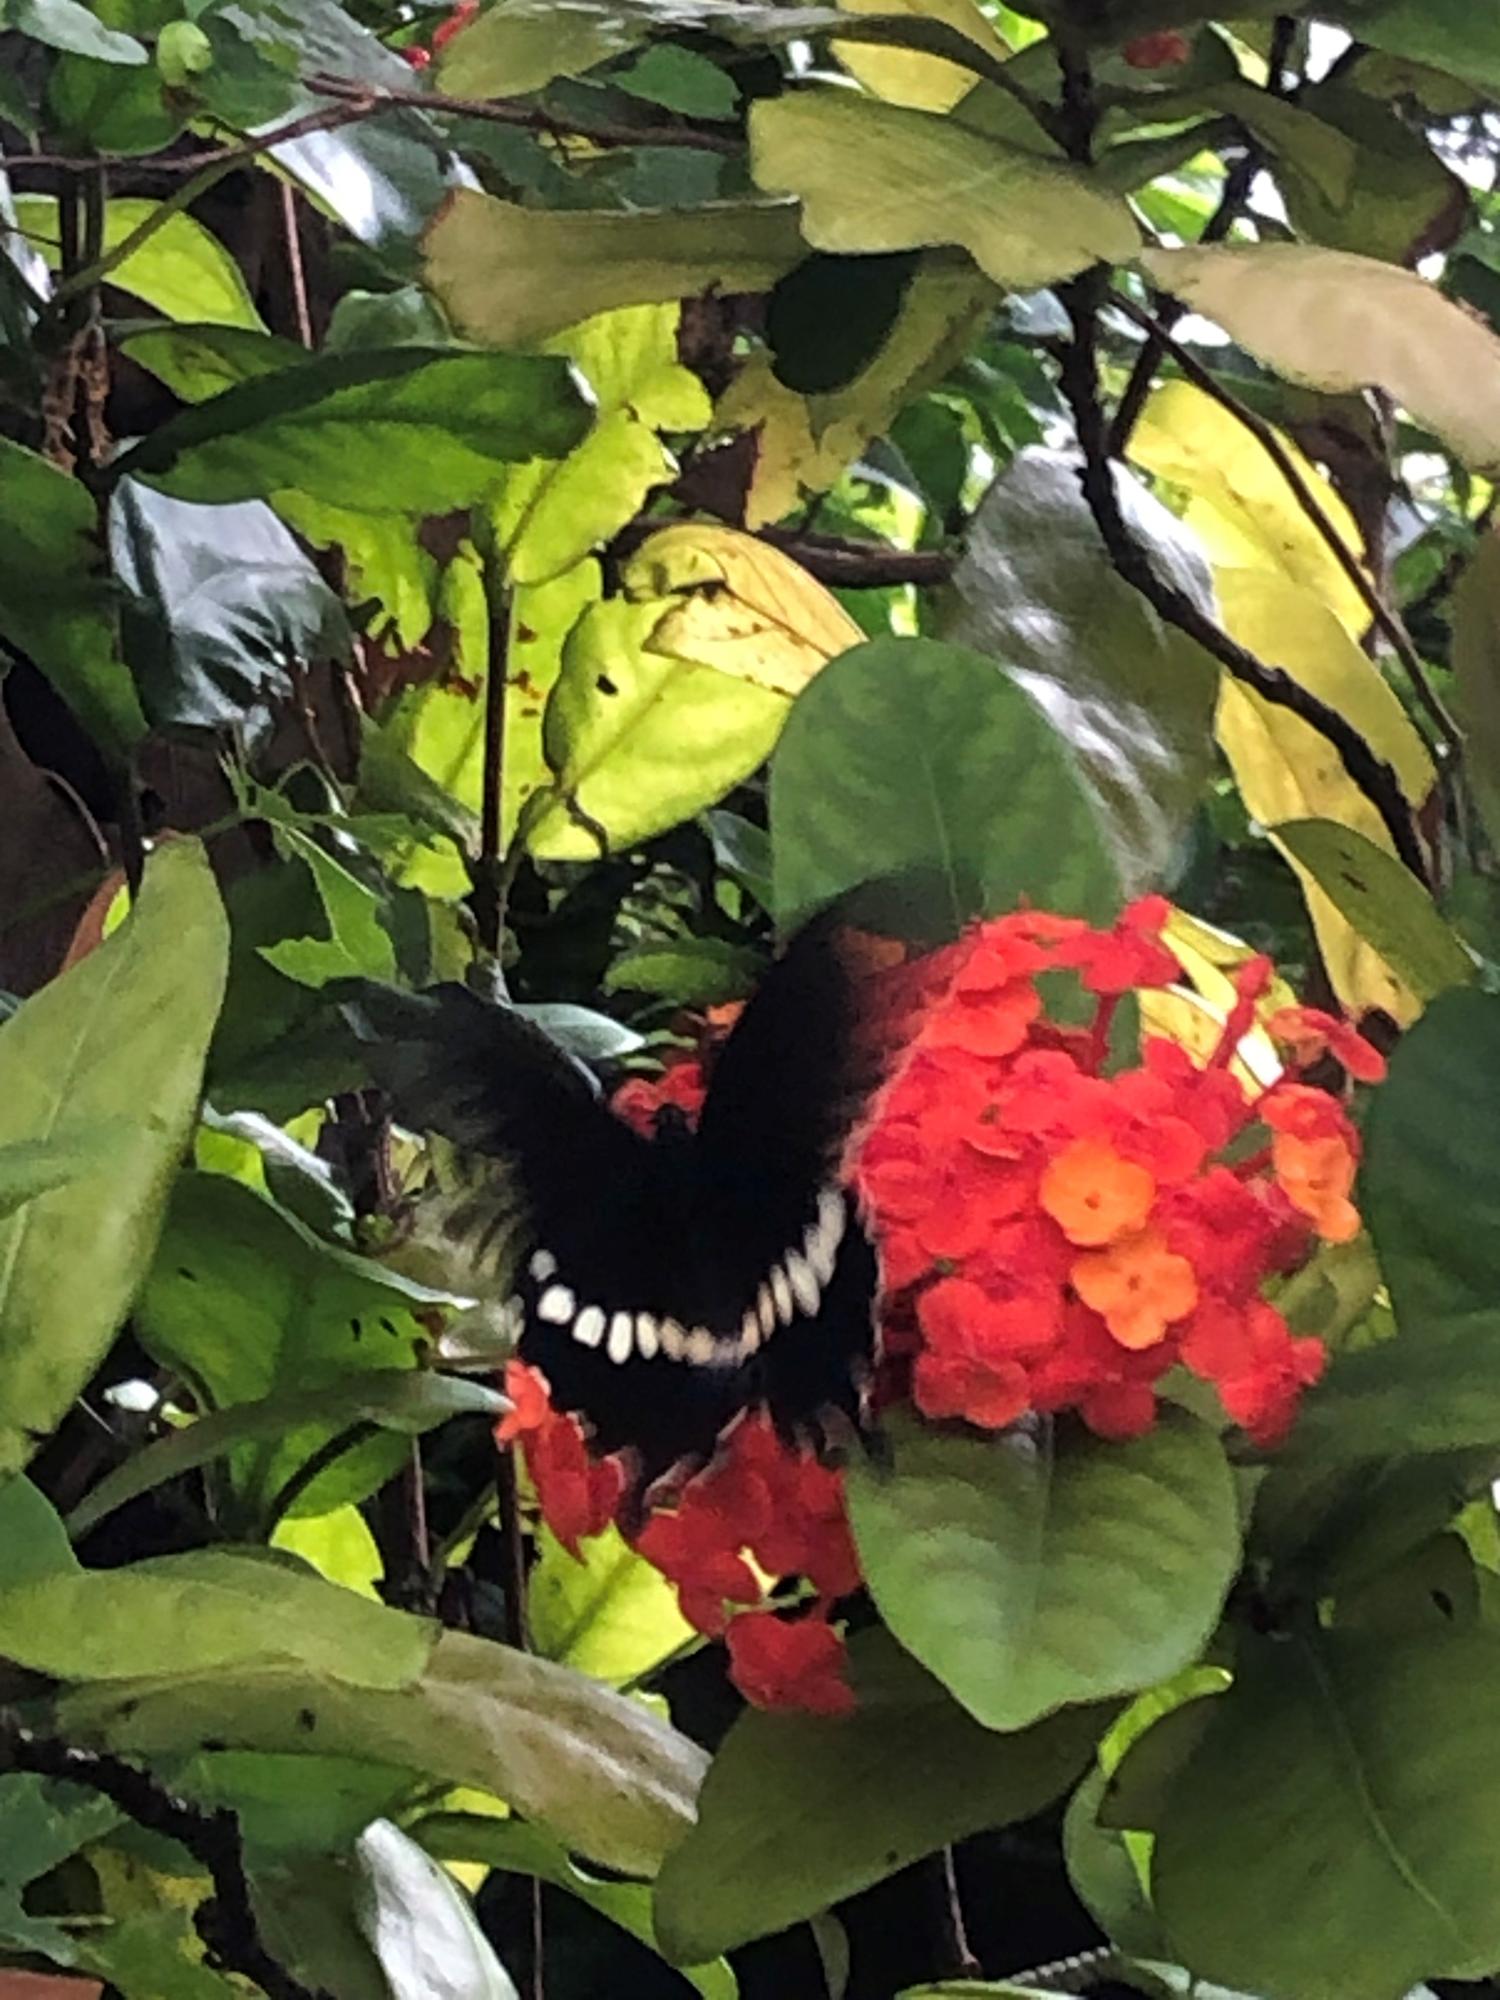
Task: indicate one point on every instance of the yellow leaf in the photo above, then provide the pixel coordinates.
(924, 83)
(1194, 1016)
(337, 1544)
(1240, 506)
(738, 605)
(1286, 770)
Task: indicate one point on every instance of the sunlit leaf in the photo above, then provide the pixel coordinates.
(181, 268)
(609, 1614)
(901, 76)
(419, 1924)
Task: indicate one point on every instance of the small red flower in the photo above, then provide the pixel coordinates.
(789, 1663)
(457, 21)
(1308, 1034)
(1161, 50)
(577, 1493)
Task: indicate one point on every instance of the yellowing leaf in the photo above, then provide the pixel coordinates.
(874, 176)
(806, 441)
(1241, 507)
(551, 515)
(744, 607)
(1195, 1015)
(1286, 770)
(337, 1544)
(901, 76)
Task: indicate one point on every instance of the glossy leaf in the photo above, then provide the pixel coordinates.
(1336, 321)
(901, 76)
(121, 1036)
(32, 1167)
(1027, 1574)
(1132, 698)
(54, 602)
(909, 754)
(65, 24)
(795, 1815)
(1343, 1784)
(401, 431)
(510, 275)
(419, 1925)
(597, 1769)
(873, 176)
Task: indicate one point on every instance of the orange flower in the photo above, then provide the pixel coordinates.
(1094, 1196)
(1316, 1176)
(1138, 1287)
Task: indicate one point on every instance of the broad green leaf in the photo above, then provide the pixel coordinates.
(797, 1814)
(33, 1541)
(1238, 504)
(218, 602)
(688, 971)
(901, 76)
(1344, 1782)
(610, 1614)
(213, 1608)
(1286, 770)
(248, 1304)
(418, 1923)
(873, 176)
(54, 602)
(910, 755)
(508, 275)
(597, 1769)
(1383, 901)
(298, 1805)
(403, 430)
(120, 1036)
(110, 107)
(32, 1167)
(1132, 698)
(519, 1849)
(65, 24)
(1336, 321)
(1476, 670)
(550, 517)
(197, 362)
(1447, 34)
(1027, 1574)
(359, 944)
(181, 268)
(408, 1401)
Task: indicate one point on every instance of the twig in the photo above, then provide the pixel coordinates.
(1079, 379)
(296, 270)
(1381, 615)
(703, 135)
(226, 1921)
(858, 565)
(958, 1959)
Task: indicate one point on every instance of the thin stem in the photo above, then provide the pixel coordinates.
(296, 271)
(312, 1467)
(957, 1956)
(1381, 615)
(702, 136)
(488, 898)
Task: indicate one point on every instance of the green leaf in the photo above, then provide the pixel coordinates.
(1343, 1783)
(213, 1608)
(108, 107)
(1476, 672)
(609, 1614)
(54, 602)
(550, 517)
(1132, 697)
(301, 1805)
(181, 268)
(637, 740)
(874, 176)
(248, 1304)
(598, 1769)
(797, 1814)
(32, 1167)
(1384, 902)
(519, 1849)
(359, 944)
(1029, 1573)
(220, 600)
(509, 275)
(196, 362)
(702, 972)
(33, 1541)
(419, 1924)
(1334, 321)
(905, 754)
(121, 1036)
(399, 431)
(1447, 34)
(65, 24)
(408, 1402)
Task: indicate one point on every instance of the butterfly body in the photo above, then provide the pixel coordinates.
(664, 1284)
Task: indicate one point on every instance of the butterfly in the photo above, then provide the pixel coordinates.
(664, 1284)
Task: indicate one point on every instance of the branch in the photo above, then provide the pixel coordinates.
(856, 565)
(1080, 385)
(1384, 619)
(226, 1922)
(704, 135)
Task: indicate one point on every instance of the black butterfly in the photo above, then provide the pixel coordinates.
(663, 1285)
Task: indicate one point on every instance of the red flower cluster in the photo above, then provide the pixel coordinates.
(457, 20)
(1053, 1236)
